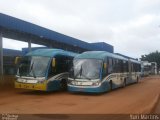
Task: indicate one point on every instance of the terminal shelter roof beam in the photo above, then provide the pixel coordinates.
(18, 29)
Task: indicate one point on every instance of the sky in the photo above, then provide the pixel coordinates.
(131, 26)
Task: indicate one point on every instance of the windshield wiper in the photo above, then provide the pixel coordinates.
(31, 69)
(19, 69)
(81, 71)
(78, 73)
(87, 77)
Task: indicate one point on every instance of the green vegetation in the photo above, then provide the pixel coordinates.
(152, 57)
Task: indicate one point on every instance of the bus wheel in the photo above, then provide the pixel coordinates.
(124, 83)
(63, 84)
(137, 79)
(111, 87)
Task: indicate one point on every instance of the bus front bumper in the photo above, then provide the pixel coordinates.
(87, 89)
(36, 86)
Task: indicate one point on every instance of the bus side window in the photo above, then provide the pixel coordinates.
(127, 66)
(105, 71)
(62, 64)
(69, 63)
(132, 68)
(110, 65)
(51, 71)
(114, 65)
(137, 67)
(124, 66)
(117, 66)
(134, 65)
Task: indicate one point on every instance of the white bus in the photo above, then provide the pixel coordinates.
(100, 71)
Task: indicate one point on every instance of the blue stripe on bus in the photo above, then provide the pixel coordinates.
(103, 88)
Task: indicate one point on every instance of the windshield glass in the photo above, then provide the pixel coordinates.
(34, 66)
(87, 68)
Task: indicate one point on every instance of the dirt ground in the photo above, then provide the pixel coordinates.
(141, 98)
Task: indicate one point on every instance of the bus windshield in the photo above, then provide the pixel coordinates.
(33, 66)
(87, 68)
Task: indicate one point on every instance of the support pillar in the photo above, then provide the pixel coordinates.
(1, 58)
(29, 46)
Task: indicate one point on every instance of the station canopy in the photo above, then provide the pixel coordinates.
(14, 28)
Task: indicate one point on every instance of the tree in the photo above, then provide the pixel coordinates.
(152, 57)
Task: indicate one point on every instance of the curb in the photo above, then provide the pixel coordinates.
(149, 109)
(156, 102)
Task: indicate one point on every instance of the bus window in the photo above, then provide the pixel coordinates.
(125, 64)
(110, 66)
(121, 66)
(118, 66)
(138, 67)
(114, 65)
(105, 71)
(132, 65)
(61, 65)
(69, 63)
(51, 71)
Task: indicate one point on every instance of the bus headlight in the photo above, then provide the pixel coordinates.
(71, 82)
(96, 83)
(40, 81)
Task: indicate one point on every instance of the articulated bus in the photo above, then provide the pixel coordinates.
(100, 71)
(44, 69)
(153, 68)
(145, 68)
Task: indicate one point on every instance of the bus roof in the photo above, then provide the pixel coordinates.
(50, 53)
(98, 55)
(135, 61)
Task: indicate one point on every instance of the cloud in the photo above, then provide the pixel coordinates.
(18, 45)
(131, 26)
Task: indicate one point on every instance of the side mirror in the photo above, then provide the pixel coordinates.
(17, 60)
(105, 65)
(53, 62)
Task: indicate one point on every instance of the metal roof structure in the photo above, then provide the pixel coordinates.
(17, 29)
(10, 52)
(26, 50)
(14, 28)
(104, 46)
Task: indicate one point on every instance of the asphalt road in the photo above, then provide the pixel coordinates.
(141, 98)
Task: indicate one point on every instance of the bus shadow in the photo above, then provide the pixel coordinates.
(106, 92)
(87, 93)
(39, 93)
(127, 86)
(61, 92)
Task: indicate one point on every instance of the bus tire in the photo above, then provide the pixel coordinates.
(124, 83)
(63, 84)
(137, 79)
(110, 83)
